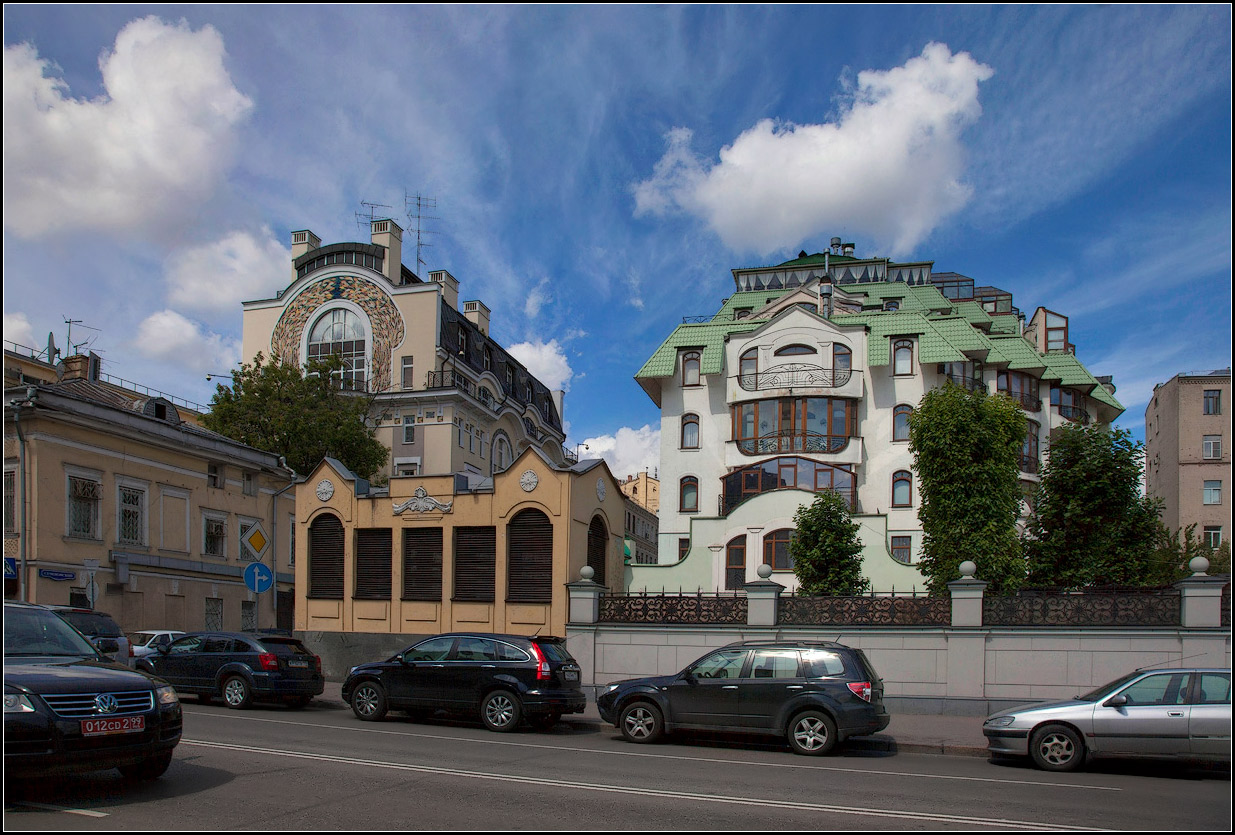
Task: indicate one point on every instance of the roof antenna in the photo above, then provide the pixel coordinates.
(416, 207)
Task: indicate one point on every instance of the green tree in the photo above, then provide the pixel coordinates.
(1173, 552)
(302, 415)
(826, 550)
(1090, 524)
(966, 449)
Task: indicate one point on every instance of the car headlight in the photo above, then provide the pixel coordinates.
(611, 688)
(18, 703)
(166, 695)
(1000, 721)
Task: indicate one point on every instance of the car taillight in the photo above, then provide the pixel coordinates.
(542, 664)
(130, 649)
(317, 663)
(861, 689)
(270, 662)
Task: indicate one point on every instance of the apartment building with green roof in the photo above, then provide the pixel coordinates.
(804, 380)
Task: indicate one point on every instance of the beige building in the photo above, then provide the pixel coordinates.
(1188, 452)
(643, 489)
(113, 499)
(430, 554)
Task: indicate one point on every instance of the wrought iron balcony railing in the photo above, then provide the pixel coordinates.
(792, 442)
(1028, 402)
(971, 383)
(1075, 414)
(795, 375)
(1029, 464)
(448, 380)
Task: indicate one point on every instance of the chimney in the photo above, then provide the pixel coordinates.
(847, 249)
(449, 285)
(76, 367)
(388, 234)
(302, 242)
(478, 315)
(836, 246)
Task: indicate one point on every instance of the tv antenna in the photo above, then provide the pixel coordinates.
(416, 207)
(365, 221)
(68, 339)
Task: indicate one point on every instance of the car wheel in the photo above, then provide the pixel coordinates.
(501, 711)
(812, 733)
(148, 769)
(1057, 748)
(544, 721)
(641, 722)
(369, 702)
(236, 693)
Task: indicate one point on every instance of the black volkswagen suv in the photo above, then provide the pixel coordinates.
(814, 693)
(501, 678)
(67, 708)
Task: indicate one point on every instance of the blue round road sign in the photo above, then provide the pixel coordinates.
(257, 577)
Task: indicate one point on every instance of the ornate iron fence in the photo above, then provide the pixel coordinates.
(865, 611)
(795, 375)
(699, 608)
(1226, 605)
(1093, 607)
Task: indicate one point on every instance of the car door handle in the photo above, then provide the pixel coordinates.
(730, 687)
(1174, 713)
(487, 666)
(793, 687)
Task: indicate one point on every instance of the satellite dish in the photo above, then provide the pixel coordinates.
(52, 351)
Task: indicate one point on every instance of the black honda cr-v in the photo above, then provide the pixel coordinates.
(815, 694)
(500, 678)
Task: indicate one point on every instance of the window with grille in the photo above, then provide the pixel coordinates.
(10, 501)
(248, 615)
(214, 536)
(422, 564)
(374, 558)
(84, 499)
(475, 564)
(132, 516)
(214, 613)
(529, 542)
(326, 558)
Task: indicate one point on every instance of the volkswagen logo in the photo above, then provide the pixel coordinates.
(106, 703)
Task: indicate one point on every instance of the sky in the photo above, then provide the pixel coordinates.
(593, 173)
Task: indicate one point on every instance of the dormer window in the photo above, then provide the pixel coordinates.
(690, 368)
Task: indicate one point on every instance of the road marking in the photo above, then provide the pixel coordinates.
(89, 813)
(791, 765)
(548, 782)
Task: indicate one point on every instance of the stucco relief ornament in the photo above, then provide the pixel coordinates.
(600, 489)
(422, 502)
(324, 490)
(528, 481)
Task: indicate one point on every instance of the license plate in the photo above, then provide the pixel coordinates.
(297, 663)
(570, 675)
(114, 725)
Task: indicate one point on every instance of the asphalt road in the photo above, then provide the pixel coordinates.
(270, 768)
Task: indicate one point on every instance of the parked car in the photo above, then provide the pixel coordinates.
(501, 678)
(239, 666)
(1184, 713)
(99, 627)
(815, 694)
(67, 708)
(149, 640)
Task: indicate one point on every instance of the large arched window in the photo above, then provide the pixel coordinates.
(900, 422)
(529, 554)
(690, 431)
(688, 501)
(776, 549)
(341, 332)
(902, 489)
(503, 455)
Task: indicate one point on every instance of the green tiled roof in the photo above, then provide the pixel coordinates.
(709, 337)
(1067, 369)
(1016, 352)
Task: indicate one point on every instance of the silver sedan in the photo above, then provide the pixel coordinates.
(1183, 712)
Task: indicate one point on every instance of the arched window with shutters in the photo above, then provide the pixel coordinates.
(597, 547)
(529, 556)
(326, 558)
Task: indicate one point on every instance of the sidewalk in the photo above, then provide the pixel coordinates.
(907, 733)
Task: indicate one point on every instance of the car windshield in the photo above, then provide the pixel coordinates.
(93, 623)
(139, 639)
(1094, 695)
(31, 632)
(285, 647)
(555, 651)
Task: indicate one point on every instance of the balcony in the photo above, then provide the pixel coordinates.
(1027, 401)
(1075, 414)
(449, 380)
(971, 383)
(795, 375)
(1029, 464)
(792, 442)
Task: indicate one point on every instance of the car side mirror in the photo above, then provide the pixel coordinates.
(163, 649)
(1116, 701)
(688, 677)
(106, 645)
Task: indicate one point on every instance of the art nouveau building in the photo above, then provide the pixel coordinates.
(804, 381)
(447, 398)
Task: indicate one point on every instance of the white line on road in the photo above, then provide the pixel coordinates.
(542, 782)
(89, 813)
(846, 770)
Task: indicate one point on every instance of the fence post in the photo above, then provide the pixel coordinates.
(1200, 596)
(585, 597)
(763, 599)
(967, 594)
(966, 659)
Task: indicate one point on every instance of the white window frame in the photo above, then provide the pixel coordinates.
(407, 373)
(124, 483)
(214, 516)
(1211, 492)
(1211, 447)
(1211, 535)
(409, 429)
(248, 483)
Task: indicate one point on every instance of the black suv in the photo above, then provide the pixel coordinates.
(239, 666)
(101, 629)
(67, 708)
(814, 693)
(502, 677)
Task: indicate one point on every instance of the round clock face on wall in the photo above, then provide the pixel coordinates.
(325, 489)
(528, 481)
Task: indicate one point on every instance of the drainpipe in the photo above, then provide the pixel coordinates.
(274, 533)
(31, 395)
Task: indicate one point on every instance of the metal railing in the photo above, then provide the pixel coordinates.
(1027, 401)
(699, 608)
(792, 442)
(795, 375)
(1113, 606)
(1074, 413)
(902, 610)
(971, 383)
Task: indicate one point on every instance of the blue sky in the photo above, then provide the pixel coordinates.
(598, 171)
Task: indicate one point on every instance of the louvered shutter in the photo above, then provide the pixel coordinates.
(529, 545)
(475, 564)
(596, 537)
(374, 554)
(326, 558)
(422, 564)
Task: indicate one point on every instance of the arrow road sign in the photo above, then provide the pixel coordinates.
(258, 577)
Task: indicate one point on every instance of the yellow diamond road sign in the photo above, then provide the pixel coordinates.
(255, 539)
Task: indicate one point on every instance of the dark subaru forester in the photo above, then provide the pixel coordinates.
(67, 708)
(812, 693)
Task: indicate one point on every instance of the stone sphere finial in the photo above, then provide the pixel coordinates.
(764, 571)
(968, 569)
(1199, 565)
(587, 572)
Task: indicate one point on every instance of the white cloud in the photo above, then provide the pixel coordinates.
(218, 276)
(537, 298)
(627, 451)
(546, 361)
(170, 337)
(17, 329)
(890, 168)
(144, 155)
